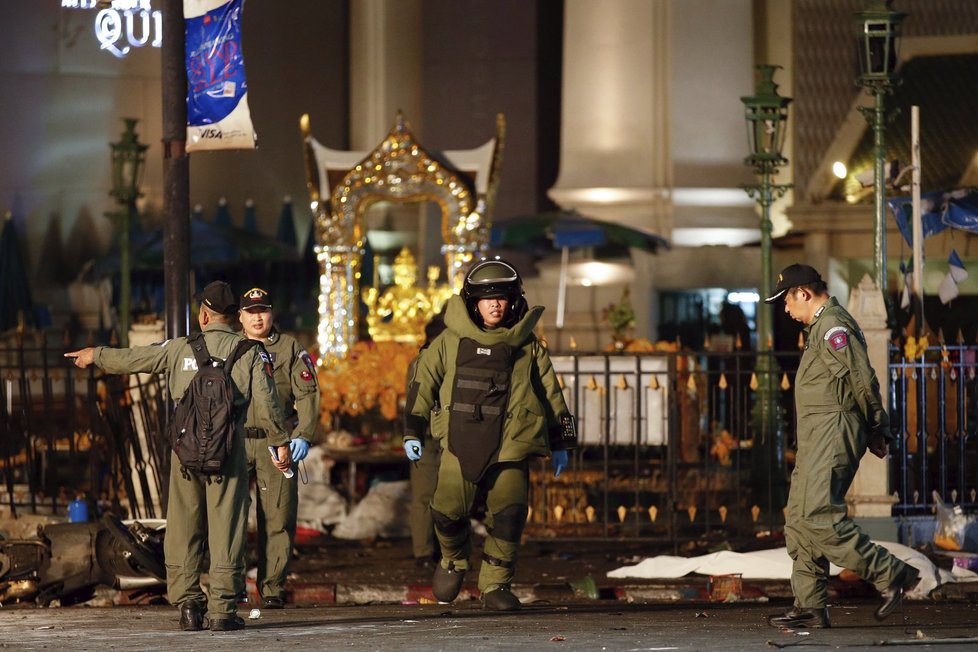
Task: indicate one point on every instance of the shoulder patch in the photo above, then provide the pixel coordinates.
(267, 359)
(307, 360)
(837, 337)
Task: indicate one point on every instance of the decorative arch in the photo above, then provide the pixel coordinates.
(343, 184)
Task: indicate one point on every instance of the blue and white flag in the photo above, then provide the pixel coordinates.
(217, 90)
(907, 270)
(956, 275)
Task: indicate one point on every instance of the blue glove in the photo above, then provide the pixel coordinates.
(559, 460)
(299, 448)
(413, 449)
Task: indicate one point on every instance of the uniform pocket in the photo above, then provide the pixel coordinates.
(439, 423)
(529, 423)
(841, 481)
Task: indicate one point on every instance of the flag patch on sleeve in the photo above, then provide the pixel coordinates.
(267, 359)
(837, 337)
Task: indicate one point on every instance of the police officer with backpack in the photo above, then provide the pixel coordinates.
(207, 508)
(277, 496)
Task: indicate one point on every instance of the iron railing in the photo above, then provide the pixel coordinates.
(934, 410)
(667, 449)
(67, 433)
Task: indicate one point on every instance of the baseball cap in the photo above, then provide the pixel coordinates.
(793, 276)
(218, 296)
(256, 298)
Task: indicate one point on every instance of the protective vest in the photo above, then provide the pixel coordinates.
(478, 408)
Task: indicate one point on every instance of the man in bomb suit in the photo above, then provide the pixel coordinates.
(493, 400)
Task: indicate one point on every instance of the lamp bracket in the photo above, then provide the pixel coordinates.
(767, 193)
(869, 113)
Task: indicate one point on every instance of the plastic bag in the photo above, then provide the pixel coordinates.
(951, 525)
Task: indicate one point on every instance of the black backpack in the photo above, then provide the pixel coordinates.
(202, 429)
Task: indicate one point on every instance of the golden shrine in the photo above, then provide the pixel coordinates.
(343, 184)
(400, 313)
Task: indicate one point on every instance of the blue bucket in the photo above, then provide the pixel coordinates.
(77, 511)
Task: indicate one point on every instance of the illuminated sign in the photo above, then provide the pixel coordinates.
(121, 25)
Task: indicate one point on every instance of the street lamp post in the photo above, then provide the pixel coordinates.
(128, 157)
(877, 31)
(767, 117)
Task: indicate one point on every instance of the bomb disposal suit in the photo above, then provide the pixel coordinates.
(493, 401)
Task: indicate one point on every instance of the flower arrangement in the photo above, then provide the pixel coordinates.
(621, 315)
(373, 376)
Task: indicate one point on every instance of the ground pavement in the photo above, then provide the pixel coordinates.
(575, 625)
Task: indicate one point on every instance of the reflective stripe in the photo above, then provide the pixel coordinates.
(470, 409)
(475, 371)
(473, 384)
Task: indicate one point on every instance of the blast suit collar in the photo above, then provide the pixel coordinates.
(458, 321)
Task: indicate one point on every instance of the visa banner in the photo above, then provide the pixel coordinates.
(217, 90)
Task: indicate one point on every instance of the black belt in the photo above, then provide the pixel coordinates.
(255, 433)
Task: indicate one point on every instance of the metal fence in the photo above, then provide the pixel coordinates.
(668, 449)
(669, 445)
(67, 433)
(934, 408)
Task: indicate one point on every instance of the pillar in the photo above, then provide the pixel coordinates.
(869, 499)
(385, 68)
(615, 157)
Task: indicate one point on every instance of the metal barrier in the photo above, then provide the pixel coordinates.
(667, 449)
(934, 408)
(667, 441)
(67, 433)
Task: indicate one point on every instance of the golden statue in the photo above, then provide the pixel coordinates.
(400, 313)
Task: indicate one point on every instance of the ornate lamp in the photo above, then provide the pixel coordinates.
(877, 29)
(766, 113)
(767, 117)
(128, 158)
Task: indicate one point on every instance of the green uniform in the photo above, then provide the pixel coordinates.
(839, 410)
(530, 427)
(194, 502)
(278, 496)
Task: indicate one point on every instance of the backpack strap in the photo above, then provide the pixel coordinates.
(199, 347)
(243, 347)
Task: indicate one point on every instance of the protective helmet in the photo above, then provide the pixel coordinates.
(490, 278)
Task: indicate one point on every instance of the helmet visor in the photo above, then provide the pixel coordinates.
(493, 272)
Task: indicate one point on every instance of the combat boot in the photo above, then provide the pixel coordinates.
(229, 623)
(798, 618)
(501, 599)
(893, 594)
(447, 582)
(192, 614)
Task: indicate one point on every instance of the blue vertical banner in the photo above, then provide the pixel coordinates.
(217, 90)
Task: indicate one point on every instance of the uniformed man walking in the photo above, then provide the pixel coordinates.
(840, 415)
(201, 509)
(277, 495)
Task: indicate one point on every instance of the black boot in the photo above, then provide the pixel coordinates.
(501, 599)
(229, 623)
(447, 582)
(192, 614)
(798, 618)
(893, 594)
